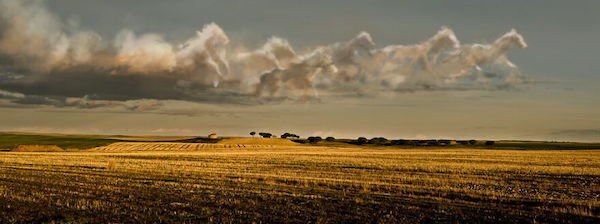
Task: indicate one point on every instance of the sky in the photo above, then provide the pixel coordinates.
(123, 67)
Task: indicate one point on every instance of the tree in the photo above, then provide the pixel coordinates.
(490, 142)
(289, 135)
(361, 140)
(253, 133)
(314, 139)
(472, 142)
(330, 139)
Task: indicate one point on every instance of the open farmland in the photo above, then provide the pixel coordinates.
(168, 146)
(242, 182)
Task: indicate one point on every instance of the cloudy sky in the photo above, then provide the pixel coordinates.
(122, 67)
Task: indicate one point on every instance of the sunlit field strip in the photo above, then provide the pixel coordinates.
(553, 181)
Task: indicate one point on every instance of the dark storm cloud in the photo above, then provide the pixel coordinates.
(9, 99)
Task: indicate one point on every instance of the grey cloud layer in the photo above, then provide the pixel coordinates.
(46, 61)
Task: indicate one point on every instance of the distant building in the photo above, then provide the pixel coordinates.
(213, 136)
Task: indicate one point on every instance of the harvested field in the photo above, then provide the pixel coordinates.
(169, 146)
(37, 148)
(259, 141)
(222, 183)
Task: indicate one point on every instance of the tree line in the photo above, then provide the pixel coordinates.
(374, 141)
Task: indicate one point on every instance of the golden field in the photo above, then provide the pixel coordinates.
(293, 183)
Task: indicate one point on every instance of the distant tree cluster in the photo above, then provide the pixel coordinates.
(400, 142)
(265, 134)
(420, 142)
(467, 142)
(262, 134)
(445, 142)
(375, 141)
(379, 141)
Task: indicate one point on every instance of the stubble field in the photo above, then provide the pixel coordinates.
(223, 183)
